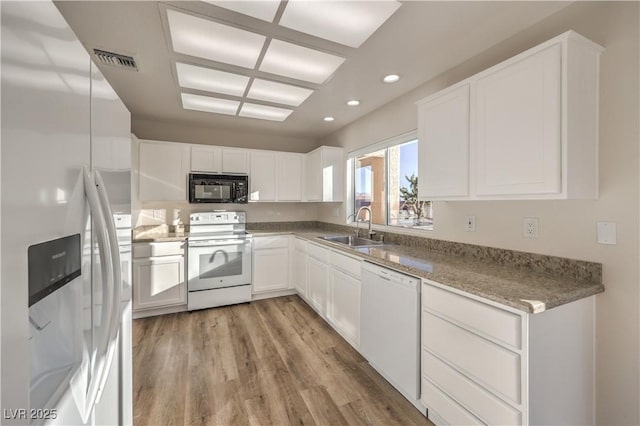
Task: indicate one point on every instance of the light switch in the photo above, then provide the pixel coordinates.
(606, 233)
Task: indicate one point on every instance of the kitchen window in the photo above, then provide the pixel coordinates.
(384, 177)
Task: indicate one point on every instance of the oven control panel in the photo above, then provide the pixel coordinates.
(217, 218)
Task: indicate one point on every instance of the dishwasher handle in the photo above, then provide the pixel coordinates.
(391, 276)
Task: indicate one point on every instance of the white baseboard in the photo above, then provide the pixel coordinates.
(159, 311)
(271, 294)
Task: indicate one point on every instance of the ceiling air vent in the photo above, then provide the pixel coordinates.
(116, 59)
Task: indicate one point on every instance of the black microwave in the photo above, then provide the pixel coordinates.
(218, 188)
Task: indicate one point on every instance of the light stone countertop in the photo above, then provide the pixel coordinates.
(525, 290)
(157, 234)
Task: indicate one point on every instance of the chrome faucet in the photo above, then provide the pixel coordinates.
(357, 219)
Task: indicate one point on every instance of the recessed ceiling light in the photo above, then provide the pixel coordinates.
(277, 92)
(391, 78)
(263, 9)
(264, 112)
(209, 40)
(302, 63)
(209, 104)
(353, 102)
(345, 22)
(328, 119)
(201, 78)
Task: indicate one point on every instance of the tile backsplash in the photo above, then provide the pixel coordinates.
(169, 213)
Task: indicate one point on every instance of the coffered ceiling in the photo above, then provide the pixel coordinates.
(282, 67)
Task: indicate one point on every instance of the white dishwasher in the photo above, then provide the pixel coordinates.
(390, 327)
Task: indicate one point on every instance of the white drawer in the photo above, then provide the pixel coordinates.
(168, 248)
(300, 245)
(486, 320)
(320, 253)
(493, 366)
(445, 407)
(272, 242)
(345, 263)
(475, 398)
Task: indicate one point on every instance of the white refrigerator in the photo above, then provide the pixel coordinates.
(65, 292)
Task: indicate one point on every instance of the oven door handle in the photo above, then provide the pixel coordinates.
(201, 244)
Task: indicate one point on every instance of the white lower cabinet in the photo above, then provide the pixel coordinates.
(158, 275)
(270, 263)
(343, 308)
(317, 277)
(300, 267)
(484, 363)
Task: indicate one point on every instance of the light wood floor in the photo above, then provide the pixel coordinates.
(273, 361)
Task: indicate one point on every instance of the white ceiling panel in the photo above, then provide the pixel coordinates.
(271, 91)
(209, 104)
(263, 9)
(420, 41)
(346, 22)
(302, 63)
(210, 40)
(264, 112)
(207, 79)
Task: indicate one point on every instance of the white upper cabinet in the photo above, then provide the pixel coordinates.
(206, 159)
(518, 126)
(325, 174)
(235, 160)
(262, 177)
(273, 176)
(314, 176)
(531, 123)
(289, 176)
(443, 143)
(163, 168)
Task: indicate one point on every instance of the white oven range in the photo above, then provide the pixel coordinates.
(219, 260)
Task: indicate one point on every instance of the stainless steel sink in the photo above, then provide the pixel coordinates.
(353, 241)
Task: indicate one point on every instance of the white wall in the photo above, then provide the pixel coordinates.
(567, 228)
(171, 131)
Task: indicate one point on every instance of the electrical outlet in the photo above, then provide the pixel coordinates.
(470, 223)
(530, 227)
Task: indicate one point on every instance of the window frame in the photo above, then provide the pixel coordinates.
(350, 190)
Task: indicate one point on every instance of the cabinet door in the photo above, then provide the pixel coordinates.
(344, 305)
(158, 282)
(317, 284)
(300, 273)
(314, 176)
(270, 269)
(443, 142)
(163, 171)
(206, 158)
(518, 127)
(332, 167)
(235, 160)
(289, 176)
(262, 178)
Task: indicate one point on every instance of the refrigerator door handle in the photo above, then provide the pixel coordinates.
(100, 356)
(117, 278)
